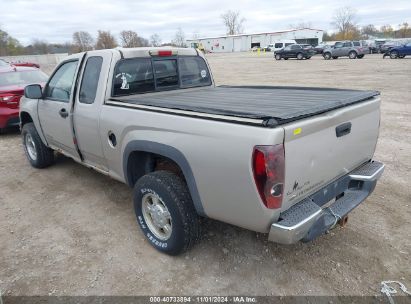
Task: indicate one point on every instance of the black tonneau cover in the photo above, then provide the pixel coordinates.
(273, 105)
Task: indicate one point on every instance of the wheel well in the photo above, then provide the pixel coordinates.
(25, 118)
(140, 163)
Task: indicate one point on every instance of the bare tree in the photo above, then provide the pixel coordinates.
(105, 40)
(179, 38)
(387, 31)
(404, 30)
(369, 30)
(233, 22)
(82, 41)
(129, 39)
(155, 40)
(344, 21)
(40, 47)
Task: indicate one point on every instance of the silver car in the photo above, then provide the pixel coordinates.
(350, 49)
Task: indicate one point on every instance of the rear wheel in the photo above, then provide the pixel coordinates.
(360, 56)
(300, 56)
(335, 57)
(352, 55)
(165, 212)
(308, 57)
(38, 154)
(285, 58)
(277, 56)
(327, 56)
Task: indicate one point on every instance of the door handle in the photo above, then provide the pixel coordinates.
(343, 129)
(63, 113)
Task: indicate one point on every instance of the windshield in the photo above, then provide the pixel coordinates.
(22, 78)
(142, 75)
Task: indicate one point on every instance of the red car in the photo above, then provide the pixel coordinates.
(19, 63)
(12, 82)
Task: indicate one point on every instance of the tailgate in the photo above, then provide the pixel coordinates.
(315, 155)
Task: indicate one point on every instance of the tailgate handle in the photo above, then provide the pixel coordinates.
(343, 129)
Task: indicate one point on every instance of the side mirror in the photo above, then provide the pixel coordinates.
(33, 91)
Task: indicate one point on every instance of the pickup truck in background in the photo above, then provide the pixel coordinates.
(288, 161)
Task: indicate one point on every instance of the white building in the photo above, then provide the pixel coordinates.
(244, 42)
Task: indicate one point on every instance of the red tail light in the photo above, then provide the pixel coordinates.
(268, 168)
(7, 100)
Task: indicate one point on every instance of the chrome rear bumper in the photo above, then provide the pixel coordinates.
(307, 219)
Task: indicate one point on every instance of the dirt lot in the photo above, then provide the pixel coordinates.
(68, 230)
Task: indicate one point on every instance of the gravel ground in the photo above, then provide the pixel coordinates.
(68, 230)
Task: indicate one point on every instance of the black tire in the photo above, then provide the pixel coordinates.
(352, 55)
(335, 57)
(300, 56)
(327, 55)
(173, 194)
(394, 55)
(44, 155)
(308, 57)
(285, 58)
(401, 56)
(360, 56)
(277, 57)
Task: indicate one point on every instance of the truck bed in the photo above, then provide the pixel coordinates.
(269, 106)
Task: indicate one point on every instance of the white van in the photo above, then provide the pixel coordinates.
(279, 44)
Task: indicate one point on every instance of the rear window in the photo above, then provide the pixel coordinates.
(357, 43)
(143, 75)
(278, 45)
(22, 78)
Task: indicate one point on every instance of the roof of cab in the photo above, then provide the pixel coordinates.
(140, 52)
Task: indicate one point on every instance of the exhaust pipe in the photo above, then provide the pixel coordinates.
(343, 221)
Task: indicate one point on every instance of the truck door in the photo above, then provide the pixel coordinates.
(88, 102)
(54, 108)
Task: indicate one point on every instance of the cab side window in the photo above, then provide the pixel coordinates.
(60, 85)
(90, 80)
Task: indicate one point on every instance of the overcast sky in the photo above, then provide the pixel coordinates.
(56, 20)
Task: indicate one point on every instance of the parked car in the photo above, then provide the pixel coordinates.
(279, 44)
(351, 49)
(12, 82)
(378, 44)
(290, 162)
(400, 51)
(25, 64)
(320, 48)
(298, 51)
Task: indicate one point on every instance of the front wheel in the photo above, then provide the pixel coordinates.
(165, 212)
(352, 55)
(300, 56)
(38, 154)
(327, 56)
(394, 55)
(360, 56)
(277, 56)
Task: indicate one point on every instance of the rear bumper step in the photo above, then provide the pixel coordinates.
(309, 218)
